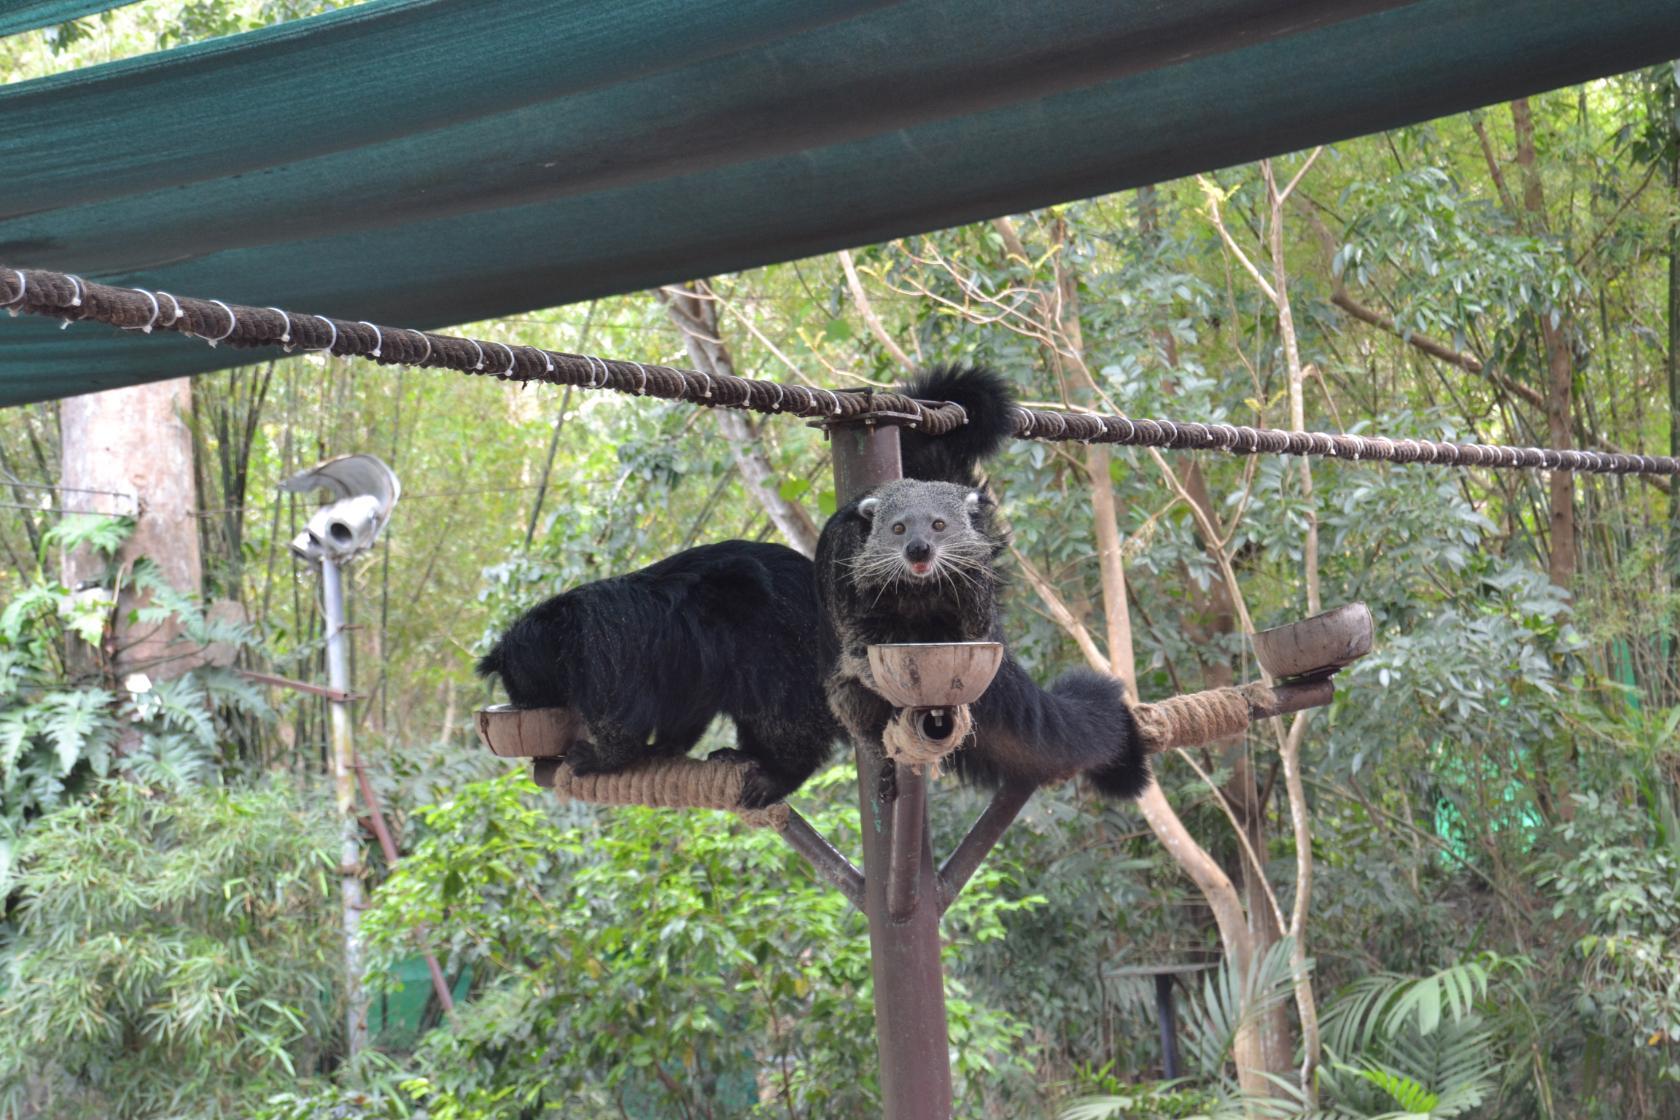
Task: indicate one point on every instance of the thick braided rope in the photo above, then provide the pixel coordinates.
(1198, 717)
(905, 743)
(75, 300)
(672, 783)
(40, 292)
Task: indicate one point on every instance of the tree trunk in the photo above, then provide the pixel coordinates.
(1249, 1050)
(1674, 397)
(1211, 618)
(136, 441)
(1560, 362)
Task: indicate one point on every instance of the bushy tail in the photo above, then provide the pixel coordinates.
(956, 457)
(1081, 724)
(1103, 698)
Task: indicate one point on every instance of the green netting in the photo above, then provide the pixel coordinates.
(27, 15)
(429, 162)
(397, 1015)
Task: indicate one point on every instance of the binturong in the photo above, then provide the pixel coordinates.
(916, 561)
(649, 658)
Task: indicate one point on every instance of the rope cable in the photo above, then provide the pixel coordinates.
(40, 292)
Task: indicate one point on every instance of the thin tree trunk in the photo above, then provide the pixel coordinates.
(1290, 748)
(1560, 363)
(871, 320)
(1216, 886)
(1674, 394)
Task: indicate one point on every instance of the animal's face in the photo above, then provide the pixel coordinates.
(921, 531)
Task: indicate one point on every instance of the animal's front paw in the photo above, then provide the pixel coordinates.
(728, 754)
(583, 757)
(760, 790)
(886, 787)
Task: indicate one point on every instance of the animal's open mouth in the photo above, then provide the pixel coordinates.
(921, 567)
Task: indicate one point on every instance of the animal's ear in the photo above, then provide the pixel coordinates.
(972, 502)
(867, 507)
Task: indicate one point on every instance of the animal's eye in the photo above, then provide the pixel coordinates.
(898, 526)
(938, 524)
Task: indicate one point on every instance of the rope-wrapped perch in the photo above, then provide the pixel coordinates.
(1203, 717)
(39, 292)
(670, 783)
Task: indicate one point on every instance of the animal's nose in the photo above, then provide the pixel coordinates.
(917, 551)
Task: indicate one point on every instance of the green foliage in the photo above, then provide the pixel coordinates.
(96, 531)
(1387, 1005)
(1232, 999)
(1497, 778)
(58, 734)
(1616, 873)
(173, 955)
(1158, 1100)
(683, 959)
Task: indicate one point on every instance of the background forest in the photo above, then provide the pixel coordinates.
(1453, 893)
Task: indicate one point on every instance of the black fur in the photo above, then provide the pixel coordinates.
(870, 595)
(650, 658)
(956, 456)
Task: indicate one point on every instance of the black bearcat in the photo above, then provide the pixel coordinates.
(648, 659)
(912, 561)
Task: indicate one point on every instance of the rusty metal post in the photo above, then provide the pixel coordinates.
(910, 1027)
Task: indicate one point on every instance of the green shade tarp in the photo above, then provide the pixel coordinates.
(429, 162)
(27, 15)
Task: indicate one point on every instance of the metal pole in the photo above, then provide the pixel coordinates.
(910, 1028)
(823, 857)
(344, 789)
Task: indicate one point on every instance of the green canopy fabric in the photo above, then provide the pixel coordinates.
(430, 162)
(27, 15)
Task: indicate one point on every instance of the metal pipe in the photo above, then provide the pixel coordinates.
(911, 1032)
(825, 859)
(988, 829)
(344, 789)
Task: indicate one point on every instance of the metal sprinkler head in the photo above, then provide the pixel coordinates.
(366, 489)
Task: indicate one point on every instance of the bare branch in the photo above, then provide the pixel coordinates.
(1480, 128)
(1011, 240)
(1211, 190)
(1242, 834)
(870, 319)
(694, 311)
(1060, 613)
(1283, 196)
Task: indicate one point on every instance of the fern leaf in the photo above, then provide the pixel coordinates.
(183, 706)
(102, 533)
(16, 728)
(74, 721)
